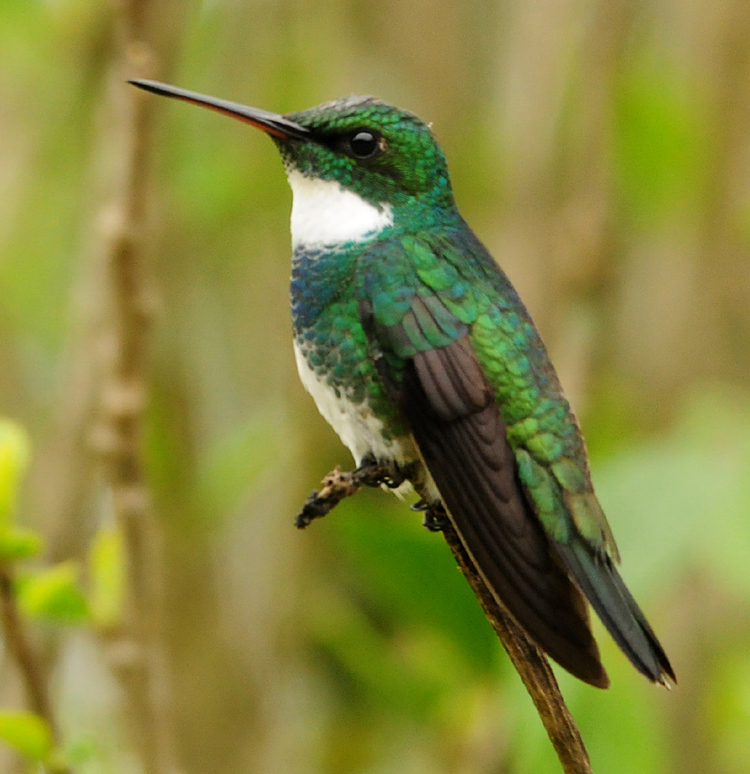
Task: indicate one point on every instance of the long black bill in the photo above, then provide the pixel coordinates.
(271, 123)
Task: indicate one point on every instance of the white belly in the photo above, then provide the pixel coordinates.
(356, 425)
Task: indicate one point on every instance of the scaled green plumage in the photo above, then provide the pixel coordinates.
(418, 351)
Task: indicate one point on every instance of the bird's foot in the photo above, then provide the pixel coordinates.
(435, 518)
(376, 473)
(338, 485)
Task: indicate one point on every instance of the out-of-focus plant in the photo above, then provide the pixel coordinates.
(31, 733)
(51, 596)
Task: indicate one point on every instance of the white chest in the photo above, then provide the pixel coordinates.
(355, 424)
(324, 213)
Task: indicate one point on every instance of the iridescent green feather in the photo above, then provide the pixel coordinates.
(427, 295)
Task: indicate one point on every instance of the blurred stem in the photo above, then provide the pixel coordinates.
(135, 649)
(30, 664)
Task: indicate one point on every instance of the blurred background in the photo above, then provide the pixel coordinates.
(601, 150)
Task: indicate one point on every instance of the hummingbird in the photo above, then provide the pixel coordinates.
(418, 351)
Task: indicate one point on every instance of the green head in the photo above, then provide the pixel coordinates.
(382, 153)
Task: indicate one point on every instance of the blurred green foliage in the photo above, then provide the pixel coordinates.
(106, 571)
(599, 149)
(659, 141)
(27, 732)
(51, 594)
(14, 459)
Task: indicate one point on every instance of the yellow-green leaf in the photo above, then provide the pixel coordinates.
(106, 563)
(54, 594)
(15, 452)
(27, 733)
(19, 543)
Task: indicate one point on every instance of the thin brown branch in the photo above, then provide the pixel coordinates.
(531, 665)
(529, 661)
(29, 661)
(135, 649)
(338, 485)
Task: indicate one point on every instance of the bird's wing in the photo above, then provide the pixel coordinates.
(456, 423)
(530, 519)
(420, 333)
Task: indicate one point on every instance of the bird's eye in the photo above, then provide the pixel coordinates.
(364, 144)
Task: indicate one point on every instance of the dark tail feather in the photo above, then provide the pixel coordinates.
(619, 612)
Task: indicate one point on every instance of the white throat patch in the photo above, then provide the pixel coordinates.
(324, 213)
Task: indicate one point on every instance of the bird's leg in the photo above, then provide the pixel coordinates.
(377, 473)
(338, 485)
(435, 517)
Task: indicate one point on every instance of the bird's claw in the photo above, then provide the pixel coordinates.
(338, 485)
(376, 474)
(435, 518)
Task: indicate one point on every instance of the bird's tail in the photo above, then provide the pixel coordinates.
(602, 585)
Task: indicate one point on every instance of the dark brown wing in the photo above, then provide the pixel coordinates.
(452, 412)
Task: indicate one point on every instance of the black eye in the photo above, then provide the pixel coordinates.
(364, 144)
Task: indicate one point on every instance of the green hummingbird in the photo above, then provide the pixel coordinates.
(418, 351)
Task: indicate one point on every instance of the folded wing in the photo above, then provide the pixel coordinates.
(457, 425)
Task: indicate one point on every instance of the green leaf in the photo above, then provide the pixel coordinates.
(54, 594)
(106, 565)
(15, 452)
(27, 733)
(18, 543)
